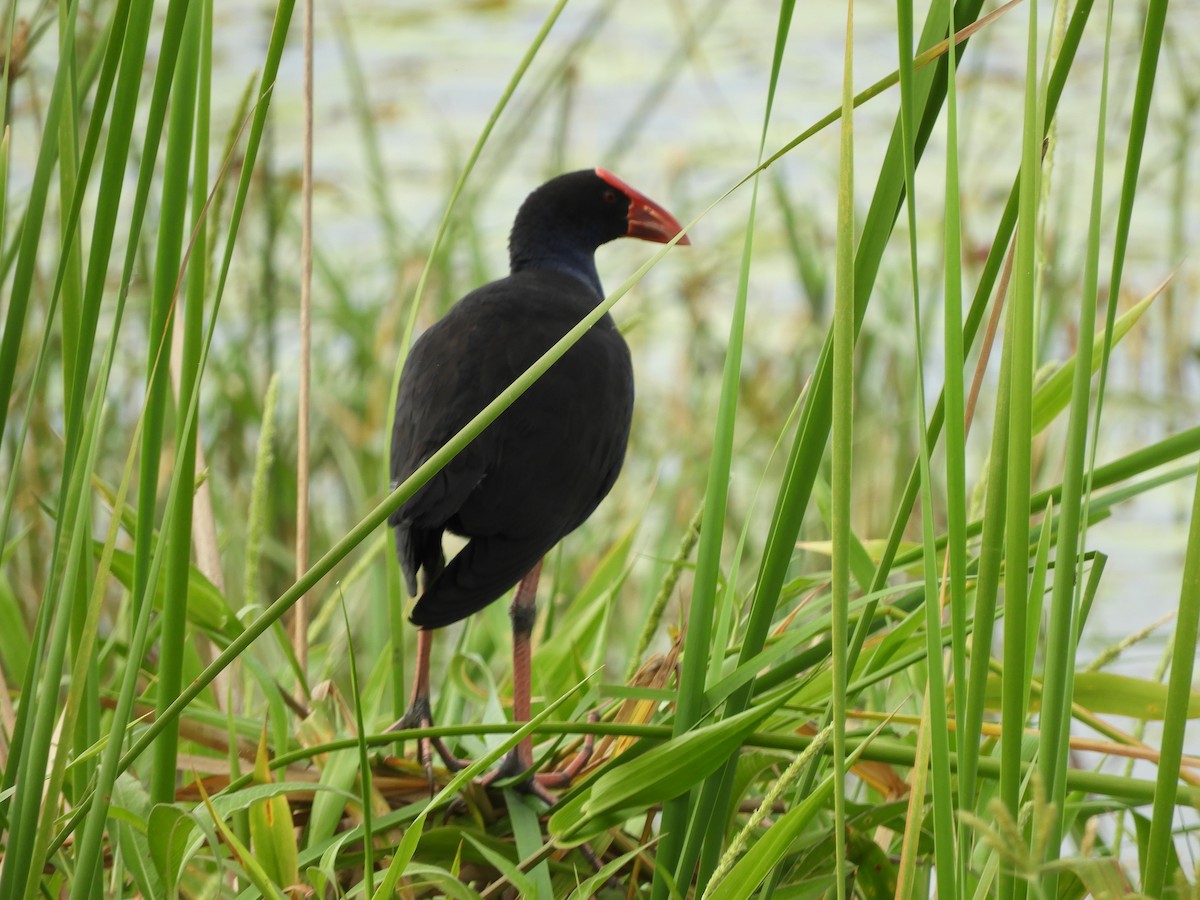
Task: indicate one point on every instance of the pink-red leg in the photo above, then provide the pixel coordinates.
(420, 714)
(523, 614)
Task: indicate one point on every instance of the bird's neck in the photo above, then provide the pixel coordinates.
(579, 264)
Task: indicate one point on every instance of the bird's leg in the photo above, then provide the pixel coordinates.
(420, 714)
(523, 613)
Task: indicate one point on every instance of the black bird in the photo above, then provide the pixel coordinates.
(537, 472)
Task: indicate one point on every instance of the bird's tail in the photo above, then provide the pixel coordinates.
(481, 572)
(419, 548)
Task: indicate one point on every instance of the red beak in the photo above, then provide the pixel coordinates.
(647, 220)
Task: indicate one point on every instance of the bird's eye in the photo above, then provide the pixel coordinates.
(610, 196)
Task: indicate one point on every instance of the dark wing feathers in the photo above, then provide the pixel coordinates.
(538, 471)
(417, 549)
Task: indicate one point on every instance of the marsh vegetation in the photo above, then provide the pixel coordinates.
(870, 434)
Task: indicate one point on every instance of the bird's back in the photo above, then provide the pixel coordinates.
(539, 470)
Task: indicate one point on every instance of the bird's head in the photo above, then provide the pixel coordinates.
(640, 216)
(573, 214)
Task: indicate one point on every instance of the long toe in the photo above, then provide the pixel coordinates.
(561, 778)
(509, 767)
(449, 760)
(534, 786)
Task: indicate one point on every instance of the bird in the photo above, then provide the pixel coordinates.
(542, 467)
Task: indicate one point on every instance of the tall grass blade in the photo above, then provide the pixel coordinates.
(300, 615)
(171, 237)
(1179, 692)
(86, 729)
(934, 727)
(955, 405)
(1154, 863)
(35, 209)
(948, 877)
(1061, 636)
(1019, 336)
(843, 446)
(934, 734)
(691, 823)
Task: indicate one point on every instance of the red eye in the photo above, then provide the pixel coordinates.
(610, 196)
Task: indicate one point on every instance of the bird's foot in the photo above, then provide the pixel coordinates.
(419, 715)
(542, 784)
